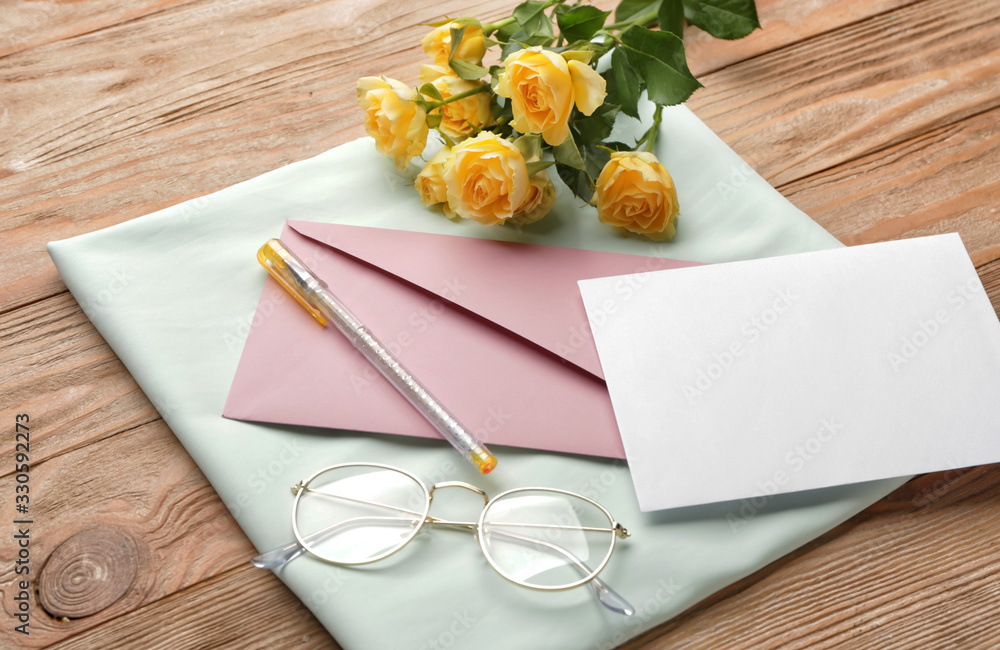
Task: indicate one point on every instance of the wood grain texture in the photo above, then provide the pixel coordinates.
(31, 25)
(58, 368)
(945, 180)
(876, 118)
(913, 571)
(88, 572)
(781, 22)
(143, 484)
(851, 92)
(242, 609)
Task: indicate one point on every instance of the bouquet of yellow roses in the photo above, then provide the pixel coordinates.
(543, 104)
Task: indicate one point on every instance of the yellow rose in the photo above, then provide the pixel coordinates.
(486, 179)
(463, 117)
(430, 181)
(635, 192)
(437, 44)
(543, 87)
(538, 202)
(393, 118)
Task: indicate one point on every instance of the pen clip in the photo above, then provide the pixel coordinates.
(292, 275)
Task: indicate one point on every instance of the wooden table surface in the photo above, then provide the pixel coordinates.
(879, 118)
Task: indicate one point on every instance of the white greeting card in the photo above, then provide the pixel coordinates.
(748, 379)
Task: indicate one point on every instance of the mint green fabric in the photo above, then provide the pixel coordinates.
(174, 294)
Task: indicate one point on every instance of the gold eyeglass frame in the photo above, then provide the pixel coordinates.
(617, 531)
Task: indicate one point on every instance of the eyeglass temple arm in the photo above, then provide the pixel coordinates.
(279, 557)
(607, 596)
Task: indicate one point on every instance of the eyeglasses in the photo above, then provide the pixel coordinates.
(540, 538)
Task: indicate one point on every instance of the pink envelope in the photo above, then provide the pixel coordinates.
(495, 330)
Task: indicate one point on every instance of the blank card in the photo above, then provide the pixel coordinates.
(749, 379)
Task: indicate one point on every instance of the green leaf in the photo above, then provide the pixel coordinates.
(505, 33)
(628, 9)
(430, 90)
(531, 17)
(501, 110)
(433, 120)
(538, 165)
(577, 181)
(568, 154)
(463, 69)
(658, 58)
(521, 40)
(456, 39)
(595, 157)
(580, 23)
(624, 84)
(530, 146)
(671, 17)
(596, 127)
(495, 71)
(729, 19)
(466, 70)
(583, 181)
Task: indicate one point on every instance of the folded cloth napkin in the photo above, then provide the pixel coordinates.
(179, 319)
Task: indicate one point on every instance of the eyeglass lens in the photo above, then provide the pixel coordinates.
(357, 514)
(546, 539)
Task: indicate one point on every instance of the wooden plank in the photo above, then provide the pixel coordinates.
(57, 368)
(243, 608)
(31, 25)
(118, 144)
(846, 94)
(782, 22)
(916, 570)
(142, 485)
(946, 180)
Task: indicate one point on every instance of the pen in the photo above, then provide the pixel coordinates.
(313, 294)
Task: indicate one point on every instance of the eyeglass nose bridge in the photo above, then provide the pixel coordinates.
(457, 484)
(446, 522)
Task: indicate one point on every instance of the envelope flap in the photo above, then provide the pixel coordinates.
(528, 289)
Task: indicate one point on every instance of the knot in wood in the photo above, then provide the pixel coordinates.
(88, 572)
